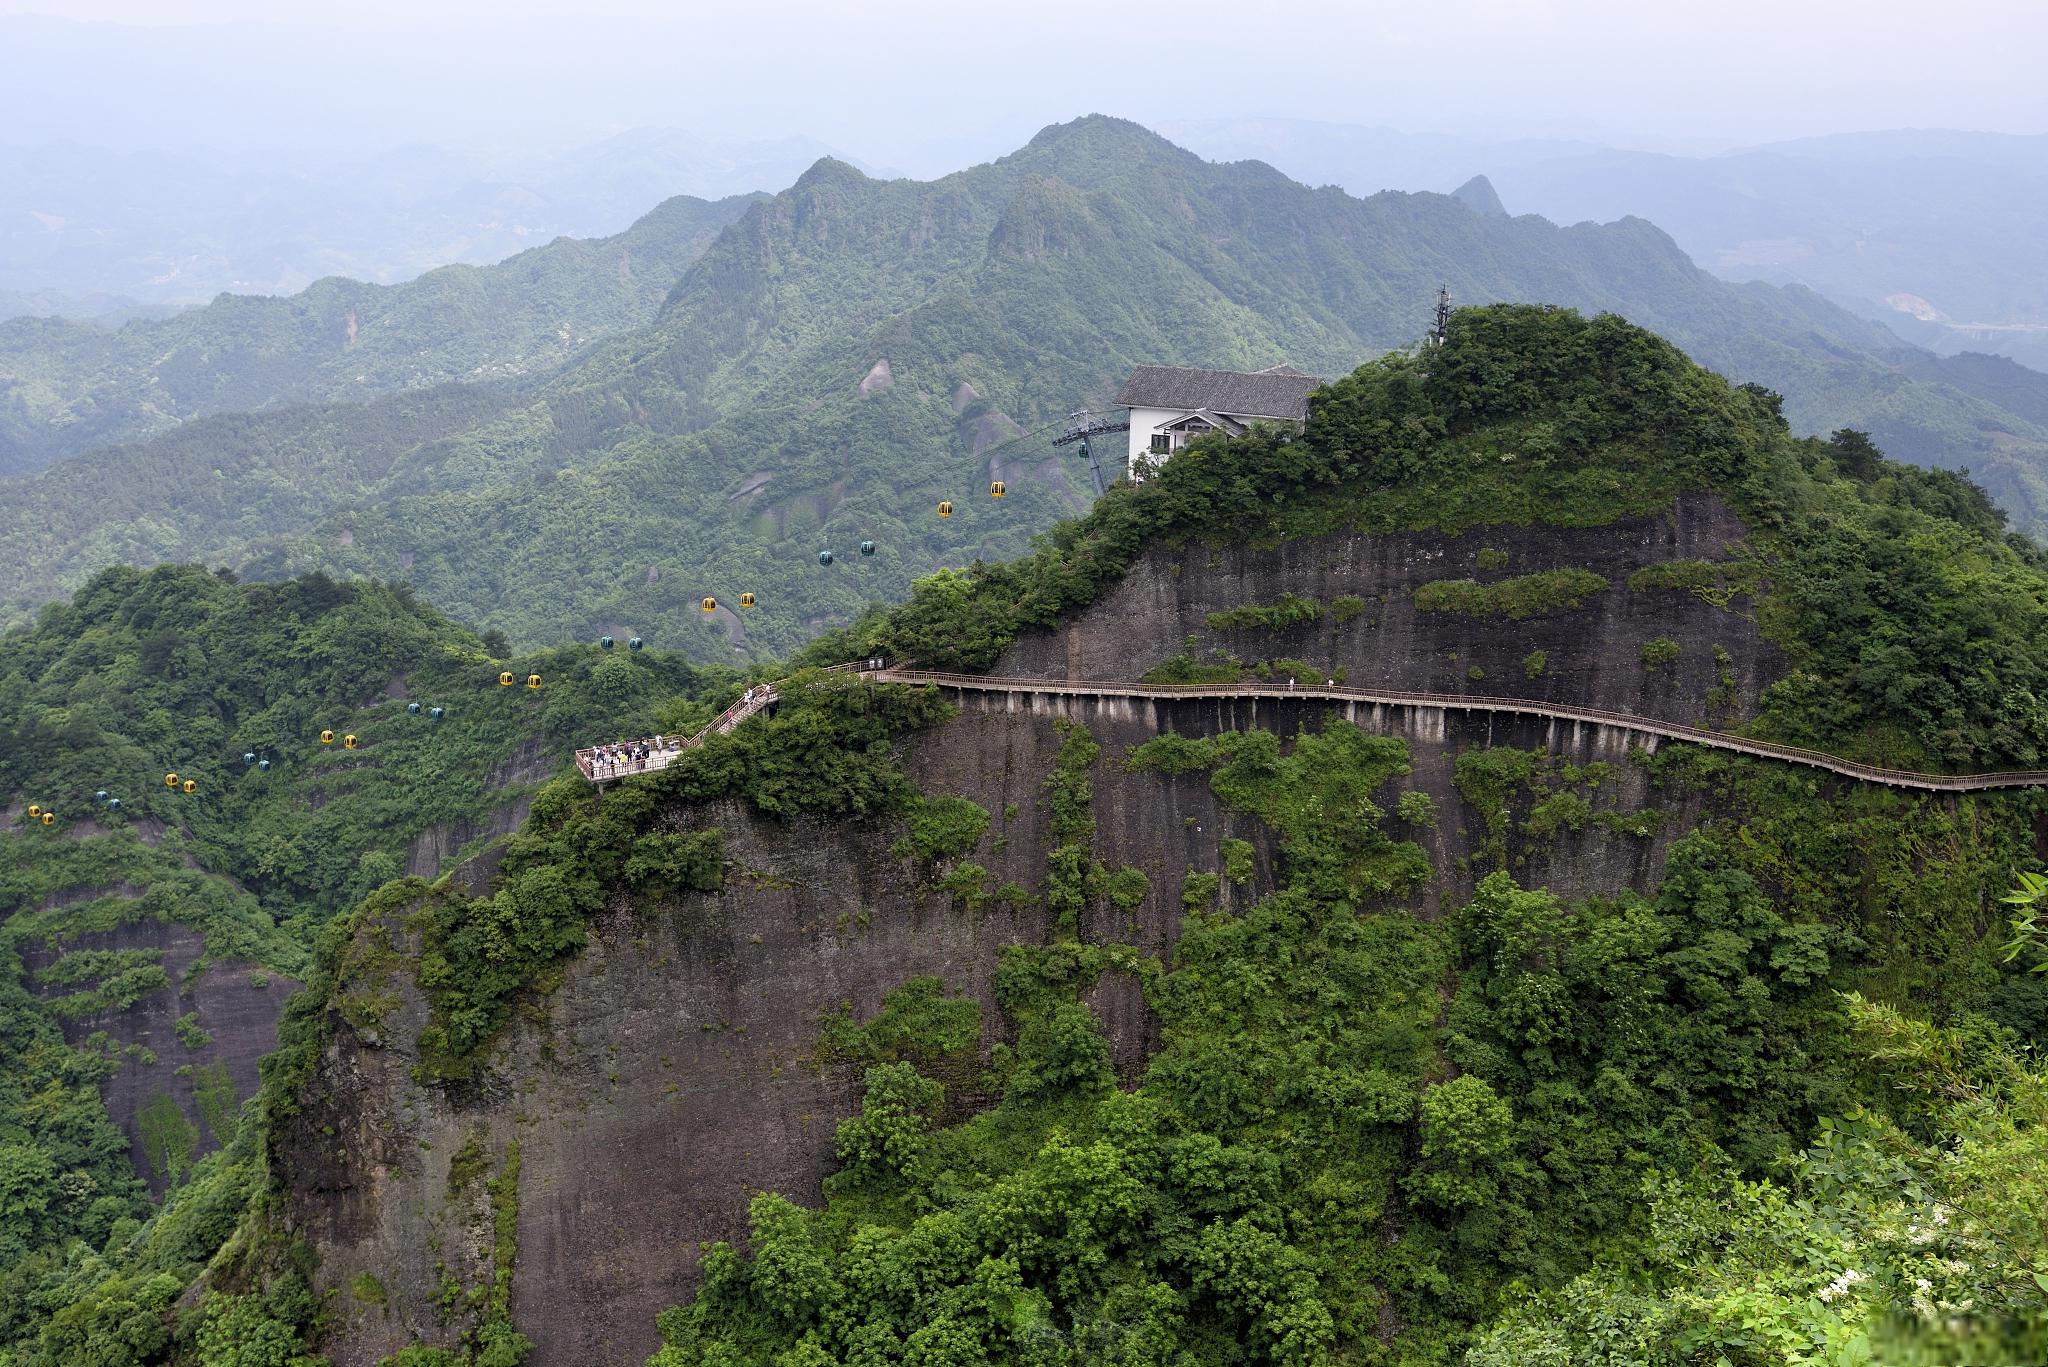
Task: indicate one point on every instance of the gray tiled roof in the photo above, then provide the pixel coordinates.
(1277, 393)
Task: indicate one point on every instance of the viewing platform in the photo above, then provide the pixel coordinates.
(659, 757)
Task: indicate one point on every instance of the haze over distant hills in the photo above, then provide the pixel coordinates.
(1942, 235)
(178, 228)
(844, 355)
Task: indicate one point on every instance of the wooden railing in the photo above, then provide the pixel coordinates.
(766, 694)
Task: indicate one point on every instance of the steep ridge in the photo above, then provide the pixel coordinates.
(68, 386)
(851, 351)
(1232, 1027)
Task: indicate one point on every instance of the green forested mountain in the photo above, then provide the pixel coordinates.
(1772, 1098)
(852, 351)
(66, 386)
(1664, 1128)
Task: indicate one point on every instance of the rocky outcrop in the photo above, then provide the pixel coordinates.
(165, 1091)
(1591, 655)
(514, 780)
(675, 1070)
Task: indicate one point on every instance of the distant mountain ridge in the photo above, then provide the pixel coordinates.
(66, 386)
(1955, 218)
(851, 351)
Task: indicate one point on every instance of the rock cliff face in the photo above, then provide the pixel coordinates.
(675, 1069)
(515, 780)
(173, 1091)
(174, 1088)
(1592, 656)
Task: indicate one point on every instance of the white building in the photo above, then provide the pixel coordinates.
(1171, 406)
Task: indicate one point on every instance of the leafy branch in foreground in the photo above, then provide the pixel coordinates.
(2027, 931)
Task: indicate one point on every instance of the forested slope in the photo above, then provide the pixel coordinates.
(67, 386)
(1133, 1035)
(852, 351)
(148, 939)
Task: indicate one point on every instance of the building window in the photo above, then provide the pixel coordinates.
(1162, 443)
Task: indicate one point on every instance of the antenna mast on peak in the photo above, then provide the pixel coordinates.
(1443, 316)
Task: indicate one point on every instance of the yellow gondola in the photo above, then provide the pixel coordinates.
(746, 600)
(505, 679)
(709, 605)
(348, 742)
(998, 489)
(190, 785)
(49, 818)
(170, 780)
(533, 681)
(35, 809)
(946, 509)
(327, 738)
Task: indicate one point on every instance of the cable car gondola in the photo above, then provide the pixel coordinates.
(997, 489)
(348, 742)
(867, 548)
(709, 605)
(824, 557)
(533, 681)
(746, 600)
(170, 780)
(604, 643)
(634, 643)
(505, 679)
(190, 785)
(946, 508)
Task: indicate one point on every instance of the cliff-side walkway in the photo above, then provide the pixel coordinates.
(1624, 722)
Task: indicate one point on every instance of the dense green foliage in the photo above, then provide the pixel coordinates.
(1285, 611)
(718, 449)
(176, 669)
(1525, 595)
(1366, 1136)
(1912, 1237)
(1407, 1128)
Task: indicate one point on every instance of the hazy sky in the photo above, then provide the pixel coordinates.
(883, 80)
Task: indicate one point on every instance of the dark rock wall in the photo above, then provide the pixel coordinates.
(237, 1004)
(1592, 657)
(674, 1072)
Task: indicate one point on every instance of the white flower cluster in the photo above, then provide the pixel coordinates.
(1841, 1284)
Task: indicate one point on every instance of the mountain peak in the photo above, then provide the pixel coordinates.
(1478, 195)
(829, 172)
(1101, 137)
(1105, 128)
